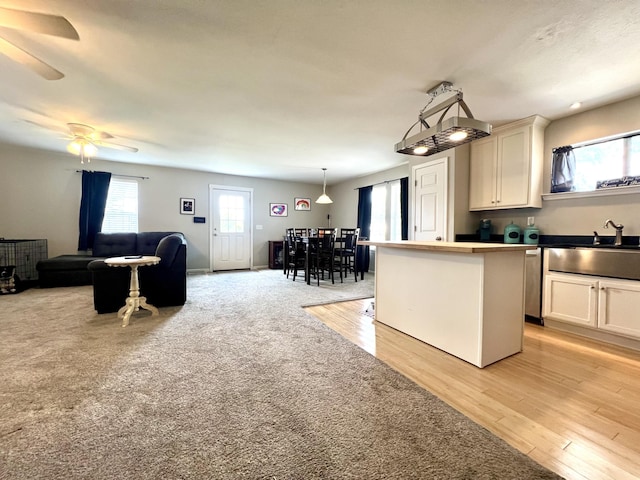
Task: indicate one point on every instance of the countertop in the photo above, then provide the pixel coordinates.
(457, 247)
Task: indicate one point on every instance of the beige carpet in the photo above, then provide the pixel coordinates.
(238, 383)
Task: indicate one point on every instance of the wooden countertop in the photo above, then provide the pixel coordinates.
(457, 247)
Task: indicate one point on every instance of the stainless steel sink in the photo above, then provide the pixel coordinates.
(601, 260)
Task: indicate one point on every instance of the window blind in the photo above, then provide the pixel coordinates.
(121, 213)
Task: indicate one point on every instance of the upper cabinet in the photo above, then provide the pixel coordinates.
(506, 167)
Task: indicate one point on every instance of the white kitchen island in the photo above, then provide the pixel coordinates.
(466, 299)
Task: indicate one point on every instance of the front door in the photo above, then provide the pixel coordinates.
(231, 242)
(430, 201)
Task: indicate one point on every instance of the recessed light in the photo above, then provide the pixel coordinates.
(575, 105)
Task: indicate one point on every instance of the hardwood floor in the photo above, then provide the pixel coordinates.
(570, 403)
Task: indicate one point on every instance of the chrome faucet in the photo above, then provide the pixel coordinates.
(618, 230)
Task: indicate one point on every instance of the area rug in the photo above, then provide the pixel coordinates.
(238, 383)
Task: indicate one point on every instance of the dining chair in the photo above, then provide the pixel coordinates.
(301, 232)
(296, 255)
(347, 250)
(324, 257)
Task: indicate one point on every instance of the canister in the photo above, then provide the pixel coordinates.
(512, 233)
(531, 234)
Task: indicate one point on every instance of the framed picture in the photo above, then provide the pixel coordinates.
(302, 204)
(187, 206)
(278, 209)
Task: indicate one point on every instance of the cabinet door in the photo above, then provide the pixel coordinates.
(570, 298)
(482, 179)
(619, 307)
(514, 168)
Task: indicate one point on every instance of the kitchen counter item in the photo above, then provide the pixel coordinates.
(485, 230)
(512, 233)
(531, 234)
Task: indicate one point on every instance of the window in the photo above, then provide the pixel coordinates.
(386, 217)
(231, 209)
(121, 212)
(606, 160)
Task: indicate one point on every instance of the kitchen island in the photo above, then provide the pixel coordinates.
(466, 299)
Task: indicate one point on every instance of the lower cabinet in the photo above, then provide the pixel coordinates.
(598, 302)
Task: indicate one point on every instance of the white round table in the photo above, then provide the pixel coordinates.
(134, 301)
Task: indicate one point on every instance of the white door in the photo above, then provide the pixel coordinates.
(231, 242)
(430, 200)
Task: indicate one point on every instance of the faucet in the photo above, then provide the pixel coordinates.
(618, 230)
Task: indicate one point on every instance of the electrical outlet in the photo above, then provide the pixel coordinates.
(530, 220)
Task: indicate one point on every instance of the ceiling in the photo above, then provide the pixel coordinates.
(282, 88)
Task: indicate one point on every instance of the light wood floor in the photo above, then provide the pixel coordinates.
(570, 403)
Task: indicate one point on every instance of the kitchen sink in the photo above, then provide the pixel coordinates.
(602, 260)
(599, 246)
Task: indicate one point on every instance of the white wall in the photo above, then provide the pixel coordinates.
(41, 199)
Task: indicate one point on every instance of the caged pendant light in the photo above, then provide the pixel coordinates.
(324, 198)
(446, 133)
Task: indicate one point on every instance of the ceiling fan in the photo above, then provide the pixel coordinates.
(38, 23)
(85, 141)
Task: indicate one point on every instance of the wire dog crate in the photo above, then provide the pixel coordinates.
(24, 255)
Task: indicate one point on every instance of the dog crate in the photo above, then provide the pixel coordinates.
(24, 255)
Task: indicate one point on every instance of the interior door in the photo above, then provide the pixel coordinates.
(430, 201)
(231, 241)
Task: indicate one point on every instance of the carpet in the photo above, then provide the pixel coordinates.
(238, 383)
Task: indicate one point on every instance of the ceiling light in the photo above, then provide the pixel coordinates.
(458, 135)
(575, 105)
(324, 198)
(420, 150)
(446, 133)
(82, 147)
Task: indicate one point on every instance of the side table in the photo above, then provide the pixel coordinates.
(134, 301)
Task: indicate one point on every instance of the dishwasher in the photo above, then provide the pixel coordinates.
(533, 286)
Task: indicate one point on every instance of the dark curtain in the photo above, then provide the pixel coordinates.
(404, 207)
(95, 186)
(563, 169)
(364, 220)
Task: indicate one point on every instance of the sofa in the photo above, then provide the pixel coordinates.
(163, 284)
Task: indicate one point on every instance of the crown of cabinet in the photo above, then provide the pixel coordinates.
(506, 167)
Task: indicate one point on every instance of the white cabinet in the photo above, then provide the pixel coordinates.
(506, 167)
(619, 306)
(572, 298)
(597, 302)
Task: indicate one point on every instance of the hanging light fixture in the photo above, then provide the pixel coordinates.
(445, 134)
(324, 198)
(82, 147)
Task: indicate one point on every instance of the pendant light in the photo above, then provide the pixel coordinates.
(324, 198)
(446, 133)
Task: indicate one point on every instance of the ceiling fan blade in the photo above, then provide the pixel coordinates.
(115, 146)
(17, 54)
(38, 22)
(81, 129)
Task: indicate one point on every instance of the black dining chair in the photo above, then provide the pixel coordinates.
(324, 255)
(347, 250)
(296, 254)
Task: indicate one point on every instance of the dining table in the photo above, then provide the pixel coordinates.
(309, 241)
